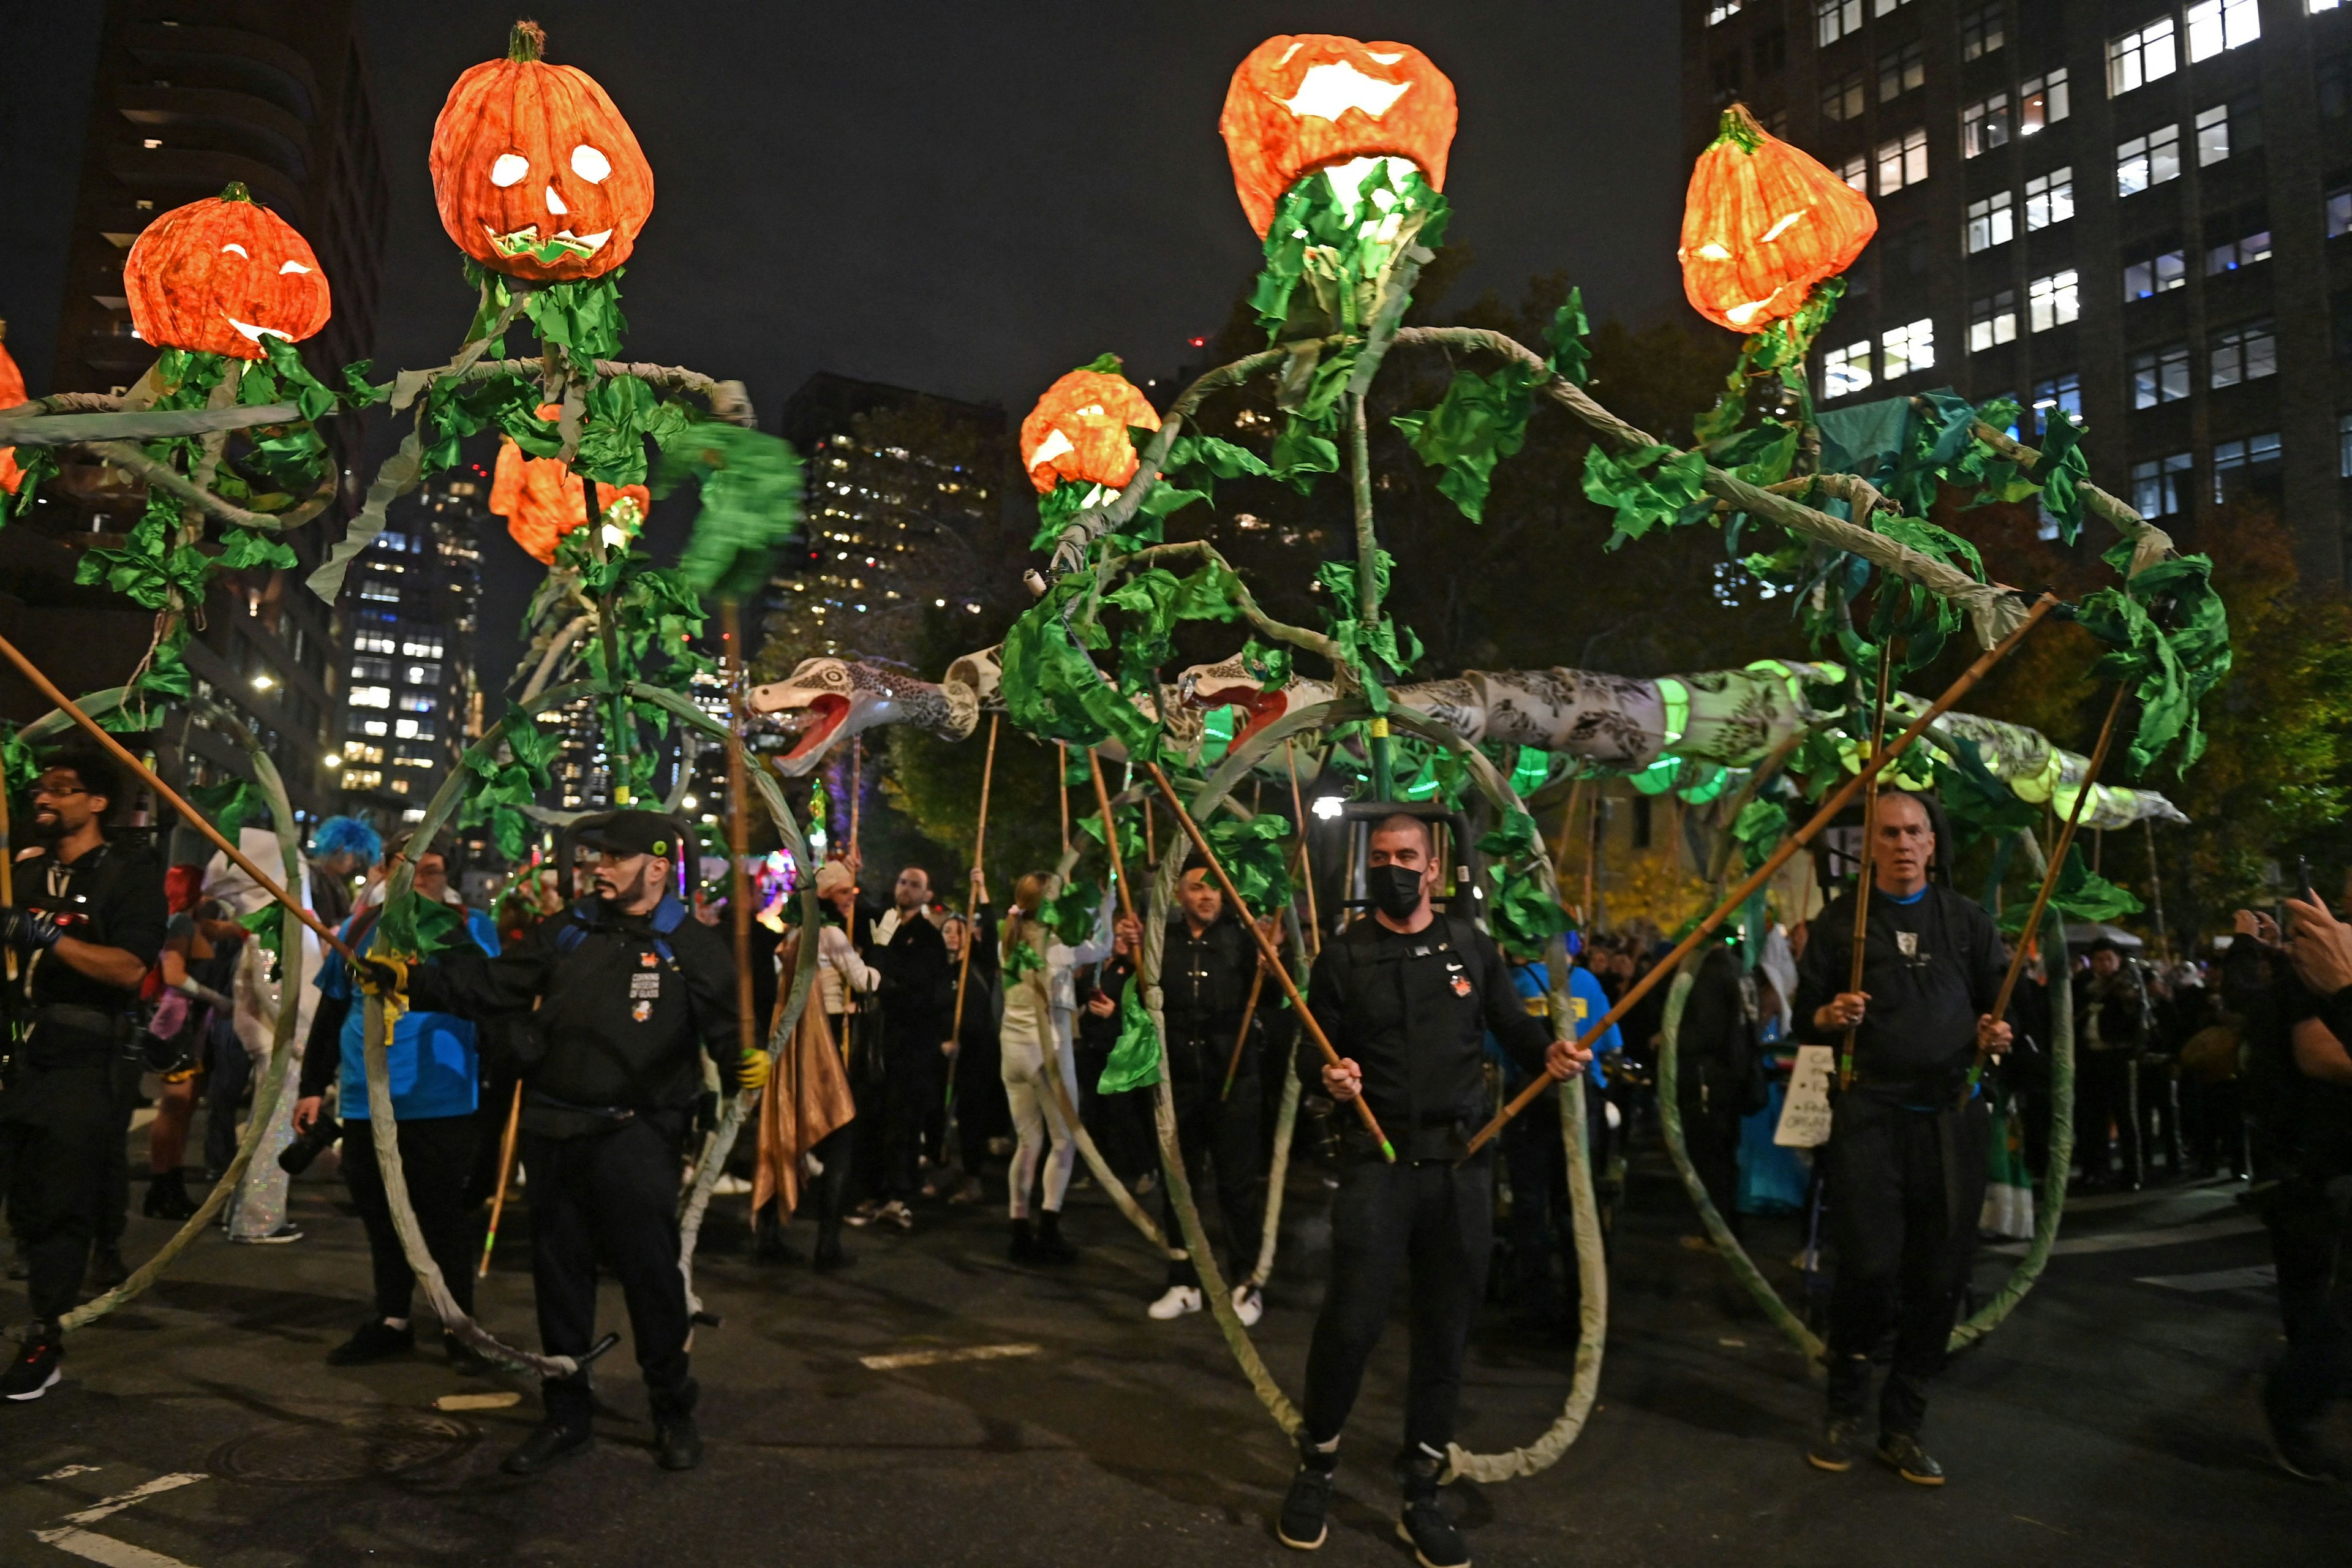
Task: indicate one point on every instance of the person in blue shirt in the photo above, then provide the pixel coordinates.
(432, 1065)
(1534, 1158)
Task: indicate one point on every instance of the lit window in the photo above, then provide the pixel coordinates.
(2052, 301)
(1901, 70)
(1844, 100)
(2146, 162)
(2057, 395)
(2141, 57)
(2042, 102)
(362, 778)
(374, 727)
(2247, 353)
(1902, 349)
(1835, 19)
(1845, 371)
(2218, 24)
(1902, 161)
(423, 675)
(1855, 171)
(382, 592)
(371, 697)
(1990, 222)
(2159, 375)
(1722, 11)
(1992, 321)
(1984, 126)
(2251, 229)
(2050, 198)
(2239, 466)
(2156, 485)
(2158, 270)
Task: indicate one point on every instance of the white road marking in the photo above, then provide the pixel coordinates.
(67, 1535)
(70, 1470)
(934, 1358)
(2133, 1241)
(2262, 1277)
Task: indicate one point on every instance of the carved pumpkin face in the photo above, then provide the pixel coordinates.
(543, 501)
(536, 173)
(1078, 430)
(12, 392)
(1763, 223)
(1306, 101)
(219, 274)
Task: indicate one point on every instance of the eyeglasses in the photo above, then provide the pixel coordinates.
(57, 792)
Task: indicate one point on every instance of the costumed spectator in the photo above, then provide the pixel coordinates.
(631, 992)
(1909, 1142)
(202, 947)
(433, 1069)
(920, 996)
(981, 1112)
(2110, 1036)
(847, 985)
(1206, 964)
(1717, 1079)
(1543, 1228)
(1040, 997)
(87, 925)
(805, 1108)
(1406, 998)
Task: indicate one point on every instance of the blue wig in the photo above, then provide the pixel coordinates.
(347, 836)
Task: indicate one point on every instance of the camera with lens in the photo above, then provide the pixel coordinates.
(297, 1156)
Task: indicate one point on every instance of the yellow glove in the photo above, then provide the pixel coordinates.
(384, 977)
(751, 1072)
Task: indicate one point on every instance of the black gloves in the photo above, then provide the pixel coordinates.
(27, 930)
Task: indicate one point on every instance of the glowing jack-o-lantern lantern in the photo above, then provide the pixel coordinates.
(542, 499)
(1306, 101)
(220, 275)
(536, 173)
(12, 392)
(1764, 223)
(1079, 429)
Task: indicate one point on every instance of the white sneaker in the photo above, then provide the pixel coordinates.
(1179, 1300)
(1249, 1305)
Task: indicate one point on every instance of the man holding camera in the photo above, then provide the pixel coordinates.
(433, 1069)
(631, 991)
(90, 924)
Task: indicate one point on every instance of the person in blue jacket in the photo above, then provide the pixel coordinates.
(1534, 1159)
(433, 1069)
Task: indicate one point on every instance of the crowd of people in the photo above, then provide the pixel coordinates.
(980, 1048)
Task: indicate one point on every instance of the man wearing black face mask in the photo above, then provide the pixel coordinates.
(1407, 998)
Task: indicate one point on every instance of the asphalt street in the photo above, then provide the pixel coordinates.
(933, 1404)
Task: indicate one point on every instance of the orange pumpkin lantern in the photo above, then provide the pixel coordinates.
(12, 392)
(542, 499)
(220, 274)
(1079, 429)
(1763, 223)
(536, 173)
(1306, 101)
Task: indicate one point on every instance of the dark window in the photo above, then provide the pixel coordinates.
(1983, 30)
(2159, 375)
(1770, 52)
(2336, 86)
(2237, 238)
(1901, 70)
(2155, 266)
(1726, 78)
(1843, 100)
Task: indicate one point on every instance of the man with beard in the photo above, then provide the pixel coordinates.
(917, 1009)
(631, 991)
(90, 924)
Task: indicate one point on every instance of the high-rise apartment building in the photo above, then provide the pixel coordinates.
(410, 606)
(2140, 211)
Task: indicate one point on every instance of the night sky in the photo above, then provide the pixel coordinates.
(970, 198)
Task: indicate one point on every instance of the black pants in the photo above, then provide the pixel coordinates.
(59, 1122)
(1437, 1218)
(2307, 1239)
(114, 1208)
(224, 1087)
(913, 1090)
(1906, 1189)
(2214, 1115)
(610, 1198)
(981, 1113)
(1711, 1137)
(437, 1155)
(1543, 1223)
(1222, 1133)
(2103, 1096)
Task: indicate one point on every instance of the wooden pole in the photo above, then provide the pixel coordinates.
(1829, 809)
(856, 792)
(739, 833)
(1111, 836)
(1266, 955)
(8, 866)
(972, 914)
(1249, 1012)
(1305, 867)
(1061, 781)
(1863, 863)
(2155, 884)
(506, 1171)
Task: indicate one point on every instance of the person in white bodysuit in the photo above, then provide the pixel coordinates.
(1040, 999)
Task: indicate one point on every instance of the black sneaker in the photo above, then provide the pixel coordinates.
(35, 1371)
(373, 1340)
(1912, 1462)
(829, 1255)
(676, 1445)
(1050, 1247)
(1435, 1542)
(107, 1268)
(1301, 1525)
(546, 1447)
(1024, 1246)
(1835, 1450)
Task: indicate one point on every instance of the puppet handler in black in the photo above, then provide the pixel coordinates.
(1407, 997)
(1908, 1135)
(632, 990)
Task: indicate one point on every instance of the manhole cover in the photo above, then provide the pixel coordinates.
(350, 1449)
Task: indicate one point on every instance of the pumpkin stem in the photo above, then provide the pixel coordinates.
(1740, 128)
(1108, 364)
(527, 42)
(235, 191)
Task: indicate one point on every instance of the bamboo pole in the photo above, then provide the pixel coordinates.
(2155, 884)
(856, 792)
(971, 915)
(1111, 836)
(738, 830)
(506, 1172)
(1267, 956)
(1305, 867)
(1863, 871)
(1835, 803)
(1249, 1012)
(1061, 783)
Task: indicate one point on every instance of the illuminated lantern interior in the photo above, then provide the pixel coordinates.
(543, 501)
(1763, 223)
(536, 172)
(1309, 101)
(1079, 429)
(12, 392)
(221, 274)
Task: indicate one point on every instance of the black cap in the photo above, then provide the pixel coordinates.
(629, 833)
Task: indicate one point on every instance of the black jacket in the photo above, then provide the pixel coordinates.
(1413, 1012)
(1204, 981)
(1715, 1042)
(1930, 968)
(623, 1026)
(917, 985)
